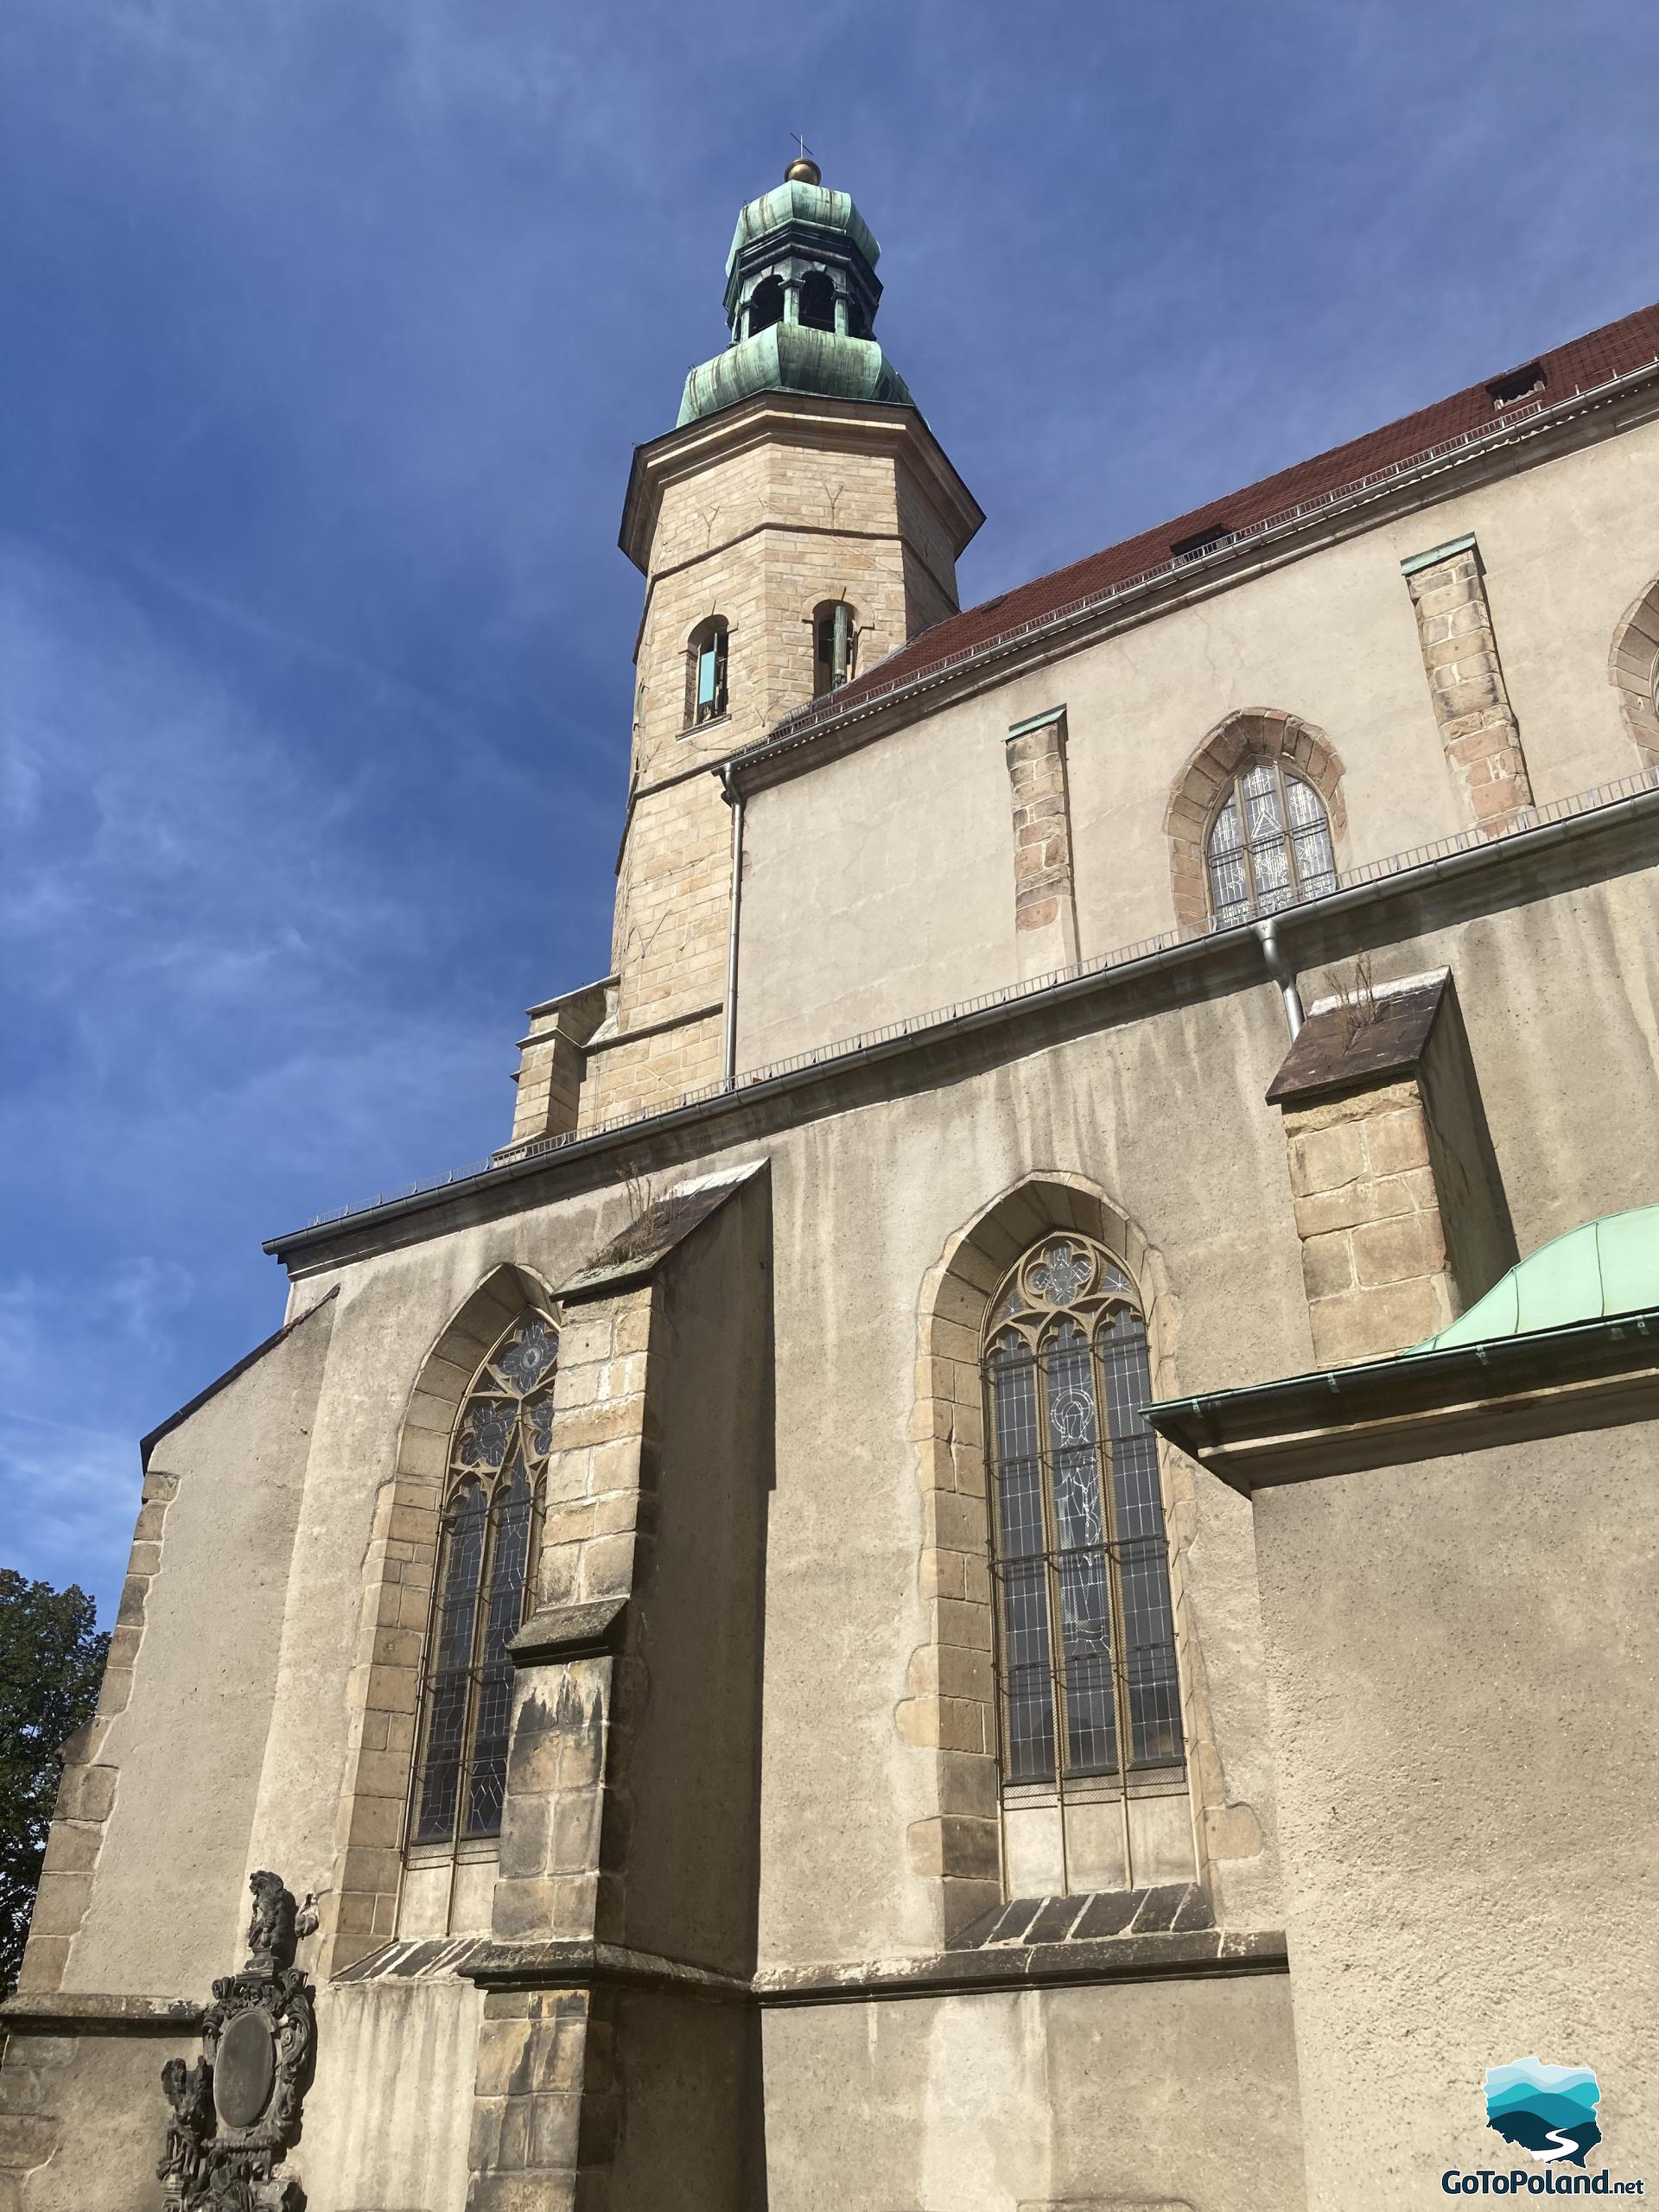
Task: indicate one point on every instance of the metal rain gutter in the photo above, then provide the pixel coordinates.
(733, 798)
(1266, 931)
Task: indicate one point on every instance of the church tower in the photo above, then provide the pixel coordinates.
(798, 524)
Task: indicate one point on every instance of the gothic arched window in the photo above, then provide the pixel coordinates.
(705, 671)
(1268, 845)
(483, 1585)
(1634, 668)
(1088, 1687)
(835, 645)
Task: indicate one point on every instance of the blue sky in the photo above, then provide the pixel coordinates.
(328, 326)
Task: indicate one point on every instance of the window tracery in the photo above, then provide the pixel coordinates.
(1269, 844)
(483, 1586)
(1087, 1680)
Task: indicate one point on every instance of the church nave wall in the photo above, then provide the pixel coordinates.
(877, 884)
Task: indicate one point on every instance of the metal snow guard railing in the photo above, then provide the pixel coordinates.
(844, 1048)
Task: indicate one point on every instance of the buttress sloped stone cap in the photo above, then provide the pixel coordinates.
(1346, 1046)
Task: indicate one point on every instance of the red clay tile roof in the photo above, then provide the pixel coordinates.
(1580, 366)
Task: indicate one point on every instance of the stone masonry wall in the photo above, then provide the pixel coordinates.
(547, 2102)
(1465, 680)
(761, 536)
(86, 1791)
(628, 1076)
(1045, 905)
(545, 2106)
(1374, 1257)
(559, 1876)
(550, 1065)
(673, 898)
(625, 1831)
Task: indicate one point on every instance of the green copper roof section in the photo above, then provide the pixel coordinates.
(1607, 1267)
(815, 205)
(789, 356)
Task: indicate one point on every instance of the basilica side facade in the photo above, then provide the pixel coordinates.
(1004, 1560)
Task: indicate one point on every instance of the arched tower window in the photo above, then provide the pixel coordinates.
(1268, 845)
(705, 671)
(765, 304)
(817, 301)
(835, 645)
(1088, 1687)
(483, 1585)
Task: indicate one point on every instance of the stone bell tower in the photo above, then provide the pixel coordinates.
(798, 524)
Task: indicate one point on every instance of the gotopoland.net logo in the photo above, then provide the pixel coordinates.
(1549, 2112)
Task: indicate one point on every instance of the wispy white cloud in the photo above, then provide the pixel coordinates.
(329, 329)
(71, 1494)
(70, 1483)
(146, 1294)
(230, 999)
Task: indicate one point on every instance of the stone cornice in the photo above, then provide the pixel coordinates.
(791, 417)
(76, 2012)
(1201, 1952)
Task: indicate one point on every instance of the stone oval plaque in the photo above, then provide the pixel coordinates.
(245, 2069)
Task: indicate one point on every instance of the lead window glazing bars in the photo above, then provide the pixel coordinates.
(1268, 846)
(482, 1586)
(1087, 1680)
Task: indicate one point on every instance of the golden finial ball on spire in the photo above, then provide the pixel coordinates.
(802, 170)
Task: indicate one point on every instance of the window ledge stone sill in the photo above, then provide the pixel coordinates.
(1107, 1916)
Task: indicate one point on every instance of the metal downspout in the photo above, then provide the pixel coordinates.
(733, 798)
(1267, 932)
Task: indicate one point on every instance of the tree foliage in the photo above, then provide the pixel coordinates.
(51, 1661)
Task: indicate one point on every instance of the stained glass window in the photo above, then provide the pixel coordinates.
(1085, 1635)
(481, 1590)
(1268, 846)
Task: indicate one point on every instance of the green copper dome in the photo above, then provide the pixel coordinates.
(794, 204)
(801, 299)
(1607, 1267)
(788, 357)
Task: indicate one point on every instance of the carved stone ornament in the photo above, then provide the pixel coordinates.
(236, 2113)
